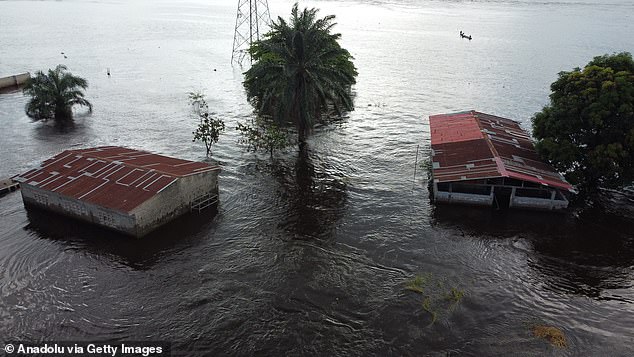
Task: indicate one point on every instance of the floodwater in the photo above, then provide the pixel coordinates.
(309, 254)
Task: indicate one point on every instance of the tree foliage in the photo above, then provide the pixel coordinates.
(587, 130)
(209, 128)
(53, 95)
(196, 99)
(300, 72)
(261, 135)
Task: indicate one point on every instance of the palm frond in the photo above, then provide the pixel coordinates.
(52, 95)
(300, 70)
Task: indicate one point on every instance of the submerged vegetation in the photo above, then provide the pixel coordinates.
(552, 334)
(261, 135)
(434, 298)
(54, 94)
(300, 72)
(455, 295)
(418, 283)
(427, 306)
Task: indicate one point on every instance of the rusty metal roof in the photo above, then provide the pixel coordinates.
(472, 145)
(114, 177)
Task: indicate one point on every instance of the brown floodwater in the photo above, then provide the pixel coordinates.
(310, 253)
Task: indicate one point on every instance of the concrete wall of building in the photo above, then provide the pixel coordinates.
(13, 81)
(174, 200)
(555, 202)
(464, 198)
(75, 208)
(537, 203)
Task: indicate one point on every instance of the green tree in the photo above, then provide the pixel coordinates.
(196, 99)
(209, 128)
(262, 135)
(587, 130)
(53, 95)
(300, 72)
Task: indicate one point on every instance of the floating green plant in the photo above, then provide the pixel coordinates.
(418, 283)
(427, 307)
(455, 295)
(435, 297)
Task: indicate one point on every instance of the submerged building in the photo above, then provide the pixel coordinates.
(482, 159)
(14, 81)
(130, 191)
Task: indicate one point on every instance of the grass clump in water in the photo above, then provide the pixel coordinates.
(554, 335)
(455, 295)
(427, 307)
(435, 297)
(418, 283)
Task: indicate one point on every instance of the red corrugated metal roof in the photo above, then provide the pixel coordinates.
(114, 177)
(472, 145)
(455, 128)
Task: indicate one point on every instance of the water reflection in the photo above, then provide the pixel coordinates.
(12, 89)
(583, 252)
(140, 254)
(246, 287)
(316, 195)
(489, 222)
(77, 130)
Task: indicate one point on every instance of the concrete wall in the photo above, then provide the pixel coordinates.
(464, 198)
(174, 201)
(13, 81)
(82, 210)
(537, 203)
(514, 201)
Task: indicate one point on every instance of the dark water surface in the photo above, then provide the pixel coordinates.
(309, 254)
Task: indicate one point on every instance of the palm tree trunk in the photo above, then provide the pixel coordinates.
(63, 114)
(301, 133)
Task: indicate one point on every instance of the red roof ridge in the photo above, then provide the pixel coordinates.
(487, 138)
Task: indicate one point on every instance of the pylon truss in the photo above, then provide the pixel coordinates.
(252, 21)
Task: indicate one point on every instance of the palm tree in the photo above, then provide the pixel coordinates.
(54, 94)
(300, 71)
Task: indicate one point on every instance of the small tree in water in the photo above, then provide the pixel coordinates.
(53, 95)
(209, 128)
(263, 135)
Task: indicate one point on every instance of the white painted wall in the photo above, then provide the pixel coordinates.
(16, 80)
(174, 200)
(464, 198)
(86, 211)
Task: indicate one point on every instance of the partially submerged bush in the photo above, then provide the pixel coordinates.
(262, 135)
(552, 334)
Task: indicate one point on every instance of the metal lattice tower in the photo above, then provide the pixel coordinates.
(252, 20)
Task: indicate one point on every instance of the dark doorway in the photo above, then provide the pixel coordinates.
(502, 197)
